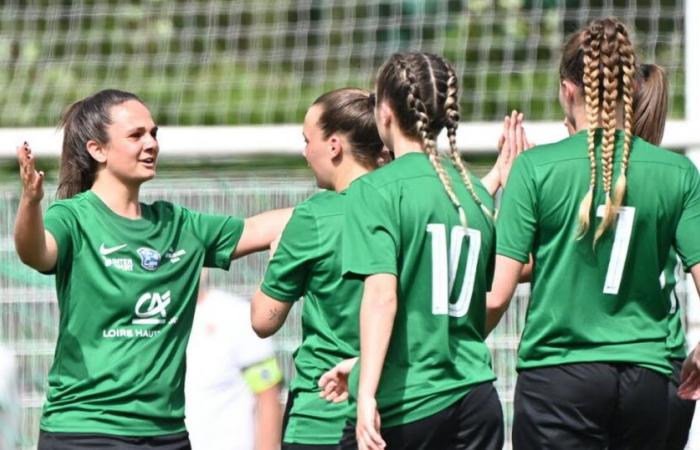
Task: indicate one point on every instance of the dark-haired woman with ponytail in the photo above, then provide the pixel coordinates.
(650, 108)
(599, 212)
(419, 234)
(342, 145)
(127, 275)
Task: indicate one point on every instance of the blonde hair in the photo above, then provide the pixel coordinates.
(422, 91)
(600, 58)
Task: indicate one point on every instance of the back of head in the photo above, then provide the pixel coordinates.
(83, 121)
(650, 103)
(601, 60)
(350, 112)
(422, 90)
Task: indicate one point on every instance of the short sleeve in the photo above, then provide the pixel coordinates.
(62, 223)
(288, 271)
(218, 234)
(687, 234)
(516, 224)
(370, 232)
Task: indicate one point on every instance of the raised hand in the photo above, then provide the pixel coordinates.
(32, 181)
(513, 142)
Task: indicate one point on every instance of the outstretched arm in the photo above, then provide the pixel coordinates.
(260, 231)
(35, 246)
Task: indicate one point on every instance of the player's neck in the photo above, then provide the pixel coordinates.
(347, 174)
(402, 145)
(120, 198)
(581, 120)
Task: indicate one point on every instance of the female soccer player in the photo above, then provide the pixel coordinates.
(126, 278)
(342, 145)
(593, 361)
(650, 107)
(424, 372)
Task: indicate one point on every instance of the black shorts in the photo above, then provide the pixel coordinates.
(592, 406)
(680, 412)
(473, 423)
(94, 441)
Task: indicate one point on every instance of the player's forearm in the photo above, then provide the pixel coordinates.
(507, 274)
(492, 181)
(260, 230)
(30, 239)
(695, 273)
(268, 420)
(377, 315)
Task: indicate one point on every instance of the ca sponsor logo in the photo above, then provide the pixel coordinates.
(151, 309)
(150, 259)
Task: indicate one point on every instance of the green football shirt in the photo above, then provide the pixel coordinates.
(676, 341)
(399, 220)
(126, 293)
(603, 304)
(307, 263)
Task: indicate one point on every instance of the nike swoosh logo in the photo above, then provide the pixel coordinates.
(107, 251)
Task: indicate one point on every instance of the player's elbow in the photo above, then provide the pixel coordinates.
(260, 327)
(262, 319)
(262, 331)
(496, 301)
(36, 262)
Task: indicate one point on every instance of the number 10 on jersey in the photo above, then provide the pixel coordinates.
(445, 267)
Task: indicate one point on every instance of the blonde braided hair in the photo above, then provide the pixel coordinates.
(591, 86)
(603, 50)
(452, 122)
(610, 60)
(629, 73)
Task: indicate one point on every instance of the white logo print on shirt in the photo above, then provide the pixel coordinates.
(125, 264)
(174, 256)
(155, 312)
(109, 250)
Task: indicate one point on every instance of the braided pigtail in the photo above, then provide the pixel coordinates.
(591, 87)
(422, 126)
(610, 60)
(629, 73)
(452, 122)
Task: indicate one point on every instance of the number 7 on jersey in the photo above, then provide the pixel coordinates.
(445, 269)
(621, 244)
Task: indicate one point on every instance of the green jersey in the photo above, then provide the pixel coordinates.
(399, 220)
(126, 294)
(308, 262)
(675, 342)
(601, 304)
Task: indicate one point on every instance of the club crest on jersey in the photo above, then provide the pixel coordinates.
(149, 258)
